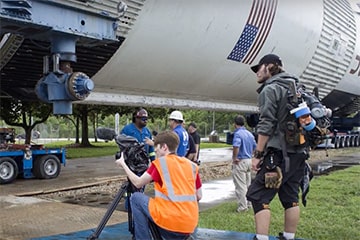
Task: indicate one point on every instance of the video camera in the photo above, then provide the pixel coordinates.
(136, 157)
(137, 160)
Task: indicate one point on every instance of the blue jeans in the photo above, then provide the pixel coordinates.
(127, 199)
(141, 216)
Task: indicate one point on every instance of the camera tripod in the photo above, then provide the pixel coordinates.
(126, 187)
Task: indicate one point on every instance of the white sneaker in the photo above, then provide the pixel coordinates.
(239, 210)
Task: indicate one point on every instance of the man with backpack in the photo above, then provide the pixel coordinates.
(279, 158)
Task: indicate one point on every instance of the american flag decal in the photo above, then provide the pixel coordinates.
(255, 32)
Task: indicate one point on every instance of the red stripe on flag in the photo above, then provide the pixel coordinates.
(251, 12)
(263, 35)
(261, 16)
(255, 19)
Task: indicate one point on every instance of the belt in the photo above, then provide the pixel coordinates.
(241, 159)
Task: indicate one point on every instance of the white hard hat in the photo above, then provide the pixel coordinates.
(176, 115)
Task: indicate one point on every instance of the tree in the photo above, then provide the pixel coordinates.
(83, 111)
(24, 114)
(75, 120)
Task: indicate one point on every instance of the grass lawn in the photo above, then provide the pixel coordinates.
(332, 212)
(100, 149)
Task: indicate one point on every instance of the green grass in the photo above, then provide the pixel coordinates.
(213, 145)
(101, 148)
(98, 149)
(332, 212)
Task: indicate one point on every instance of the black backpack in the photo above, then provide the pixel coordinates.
(298, 94)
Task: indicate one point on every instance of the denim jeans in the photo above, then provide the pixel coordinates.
(141, 216)
(126, 198)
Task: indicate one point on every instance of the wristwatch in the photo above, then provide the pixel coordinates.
(258, 154)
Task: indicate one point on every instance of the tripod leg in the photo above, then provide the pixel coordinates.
(109, 212)
(131, 189)
(154, 230)
(130, 220)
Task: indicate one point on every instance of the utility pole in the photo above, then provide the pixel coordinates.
(213, 123)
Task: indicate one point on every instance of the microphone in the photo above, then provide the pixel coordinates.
(106, 134)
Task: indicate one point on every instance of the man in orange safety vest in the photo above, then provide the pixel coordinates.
(177, 185)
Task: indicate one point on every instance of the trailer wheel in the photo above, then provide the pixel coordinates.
(352, 141)
(347, 141)
(341, 142)
(8, 170)
(47, 166)
(336, 142)
(357, 141)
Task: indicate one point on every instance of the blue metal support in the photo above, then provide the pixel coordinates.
(63, 26)
(64, 45)
(37, 19)
(61, 89)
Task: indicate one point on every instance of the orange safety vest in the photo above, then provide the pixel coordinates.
(175, 207)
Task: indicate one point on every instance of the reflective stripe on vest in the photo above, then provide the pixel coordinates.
(171, 194)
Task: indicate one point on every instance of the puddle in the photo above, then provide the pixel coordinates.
(13, 200)
(329, 166)
(217, 190)
(93, 199)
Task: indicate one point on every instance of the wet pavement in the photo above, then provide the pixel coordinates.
(216, 192)
(86, 172)
(76, 173)
(24, 215)
(32, 217)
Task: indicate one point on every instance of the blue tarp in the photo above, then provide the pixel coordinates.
(120, 231)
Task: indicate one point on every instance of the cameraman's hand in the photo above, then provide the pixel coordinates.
(149, 142)
(121, 161)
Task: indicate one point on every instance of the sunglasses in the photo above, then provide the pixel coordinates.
(144, 119)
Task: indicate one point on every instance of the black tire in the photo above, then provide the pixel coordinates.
(347, 141)
(341, 142)
(357, 141)
(336, 142)
(8, 170)
(46, 167)
(352, 141)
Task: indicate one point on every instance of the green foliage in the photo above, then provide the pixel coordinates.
(209, 120)
(24, 114)
(332, 211)
(104, 116)
(19, 113)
